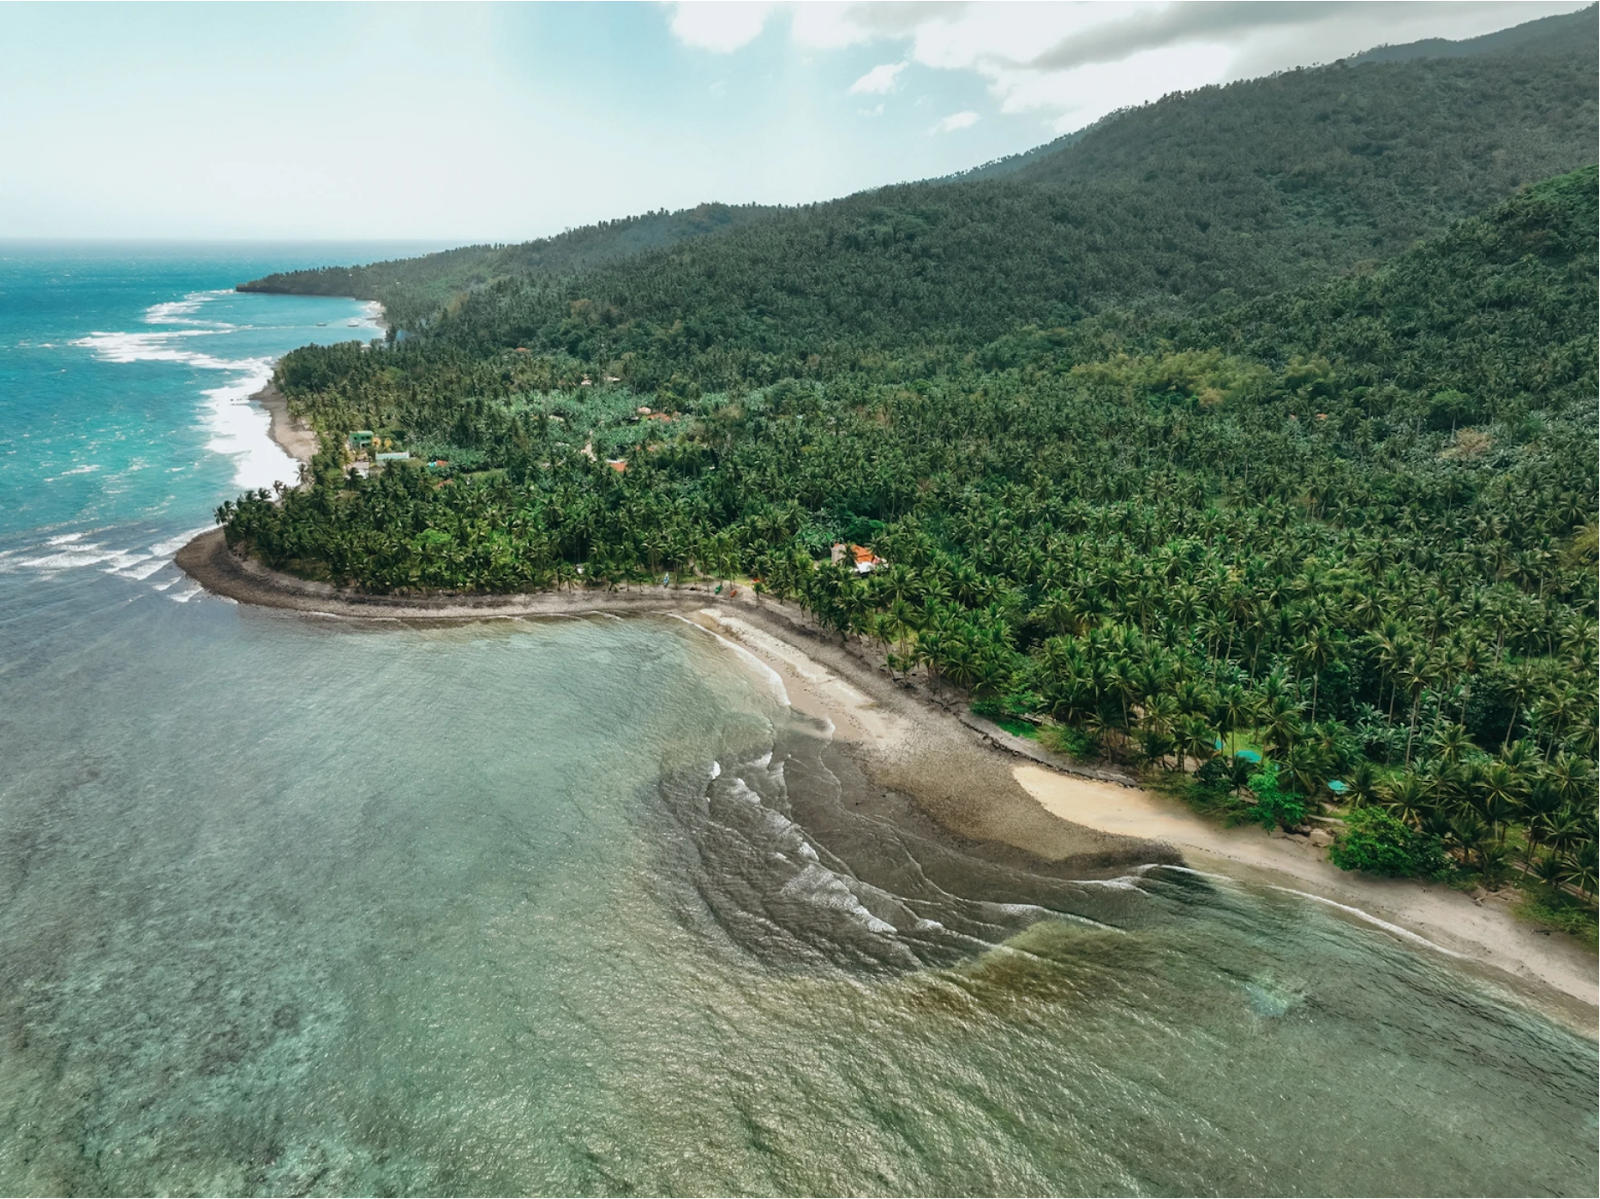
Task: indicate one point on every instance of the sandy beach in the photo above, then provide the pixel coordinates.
(296, 437)
(978, 783)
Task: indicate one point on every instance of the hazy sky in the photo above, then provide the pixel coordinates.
(511, 121)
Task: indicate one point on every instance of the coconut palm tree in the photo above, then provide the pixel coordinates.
(1580, 868)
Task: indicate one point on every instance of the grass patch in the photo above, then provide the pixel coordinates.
(1066, 739)
(1556, 909)
(1207, 800)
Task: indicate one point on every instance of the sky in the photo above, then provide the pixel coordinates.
(505, 122)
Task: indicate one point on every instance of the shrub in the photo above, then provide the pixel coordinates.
(1219, 774)
(1274, 807)
(1378, 843)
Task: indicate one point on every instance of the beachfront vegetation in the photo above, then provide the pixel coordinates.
(1158, 461)
(1379, 842)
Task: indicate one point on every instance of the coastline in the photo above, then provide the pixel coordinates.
(978, 783)
(295, 437)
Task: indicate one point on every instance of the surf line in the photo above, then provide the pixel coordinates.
(773, 676)
(1360, 914)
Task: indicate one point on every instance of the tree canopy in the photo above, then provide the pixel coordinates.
(1176, 440)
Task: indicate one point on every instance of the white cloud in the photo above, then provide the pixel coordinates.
(956, 120)
(721, 28)
(879, 80)
(1072, 63)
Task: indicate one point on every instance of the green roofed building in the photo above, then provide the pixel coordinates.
(360, 439)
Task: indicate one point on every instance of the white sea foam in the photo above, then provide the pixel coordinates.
(173, 544)
(70, 551)
(238, 428)
(70, 558)
(242, 430)
(173, 311)
(143, 569)
(818, 885)
(165, 345)
(88, 468)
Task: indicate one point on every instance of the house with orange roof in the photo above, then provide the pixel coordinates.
(864, 560)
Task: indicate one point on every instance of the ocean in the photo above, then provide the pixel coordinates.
(292, 905)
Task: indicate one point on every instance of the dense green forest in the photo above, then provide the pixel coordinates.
(1145, 482)
(1202, 197)
(1292, 532)
(1197, 200)
(411, 289)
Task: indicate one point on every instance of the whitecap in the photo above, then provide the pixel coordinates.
(144, 569)
(70, 559)
(818, 885)
(163, 346)
(173, 544)
(172, 311)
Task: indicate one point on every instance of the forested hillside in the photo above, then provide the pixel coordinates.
(412, 288)
(1547, 34)
(1379, 153)
(1201, 198)
(1281, 523)
(1166, 461)
(1197, 200)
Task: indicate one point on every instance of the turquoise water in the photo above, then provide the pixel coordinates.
(291, 905)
